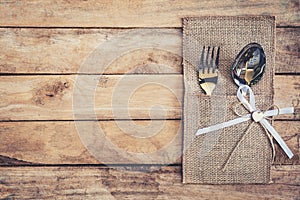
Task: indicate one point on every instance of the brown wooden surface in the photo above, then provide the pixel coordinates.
(51, 97)
(149, 13)
(59, 51)
(65, 50)
(287, 50)
(44, 45)
(35, 97)
(59, 143)
(135, 183)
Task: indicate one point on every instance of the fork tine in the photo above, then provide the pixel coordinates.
(206, 60)
(211, 65)
(201, 66)
(217, 58)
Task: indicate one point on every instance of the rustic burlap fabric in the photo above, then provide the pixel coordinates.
(204, 156)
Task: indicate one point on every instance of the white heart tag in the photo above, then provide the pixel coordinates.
(257, 116)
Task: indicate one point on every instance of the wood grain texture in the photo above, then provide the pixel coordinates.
(62, 143)
(30, 50)
(135, 13)
(290, 132)
(114, 97)
(28, 143)
(287, 50)
(51, 160)
(135, 183)
(59, 51)
(288, 94)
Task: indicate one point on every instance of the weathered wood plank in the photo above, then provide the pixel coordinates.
(138, 183)
(100, 51)
(285, 174)
(287, 50)
(147, 13)
(67, 50)
(290, 132)
(59, 142)
(115, 97)
(287, 93)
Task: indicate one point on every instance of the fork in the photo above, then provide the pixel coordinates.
(208, 69)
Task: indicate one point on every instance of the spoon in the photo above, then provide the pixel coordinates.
(248, 69)
(249, 65)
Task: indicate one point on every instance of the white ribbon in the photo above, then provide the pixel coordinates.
(256, 115)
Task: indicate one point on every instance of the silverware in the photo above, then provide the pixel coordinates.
(249, 65)
(208, 69)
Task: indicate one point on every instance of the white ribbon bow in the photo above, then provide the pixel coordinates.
(256, 115)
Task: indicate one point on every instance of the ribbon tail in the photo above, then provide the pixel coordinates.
(277, 137)
(223, 125)
(280, 111)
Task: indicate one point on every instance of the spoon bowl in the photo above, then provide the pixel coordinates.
(249, 65)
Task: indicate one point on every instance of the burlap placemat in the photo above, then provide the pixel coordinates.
(204, 156)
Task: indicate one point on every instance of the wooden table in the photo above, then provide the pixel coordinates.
(43, 47)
